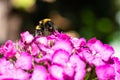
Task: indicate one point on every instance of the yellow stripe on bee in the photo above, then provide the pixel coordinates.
(46, 20)
(37, 27)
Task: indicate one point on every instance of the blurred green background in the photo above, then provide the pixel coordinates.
(79, 18)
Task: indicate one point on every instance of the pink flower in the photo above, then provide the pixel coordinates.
(26, 37)
(67, 68)
(105, 51)
(97, 52)
(111, 70)
(57, 57)
(8, 49)
(9, 72)
(105, 72)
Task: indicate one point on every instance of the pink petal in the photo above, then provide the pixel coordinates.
(78, 42)
(95, 45)
(39, 73)
(42, 40)
(60, 57)
(79, 67)
(107, 52)
(26, 37)
(105, 72)
(69, 70)
(24, 61)
(34, 49)
(56, 72)
(65, 45)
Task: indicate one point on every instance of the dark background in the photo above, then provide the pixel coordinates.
(83, 18)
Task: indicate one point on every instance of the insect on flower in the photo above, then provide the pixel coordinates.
(45, 27)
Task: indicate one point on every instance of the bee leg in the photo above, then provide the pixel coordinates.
(38, 33)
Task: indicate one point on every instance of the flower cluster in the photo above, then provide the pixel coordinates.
(57, 57)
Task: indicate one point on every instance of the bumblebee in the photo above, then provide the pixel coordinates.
(45, 27)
